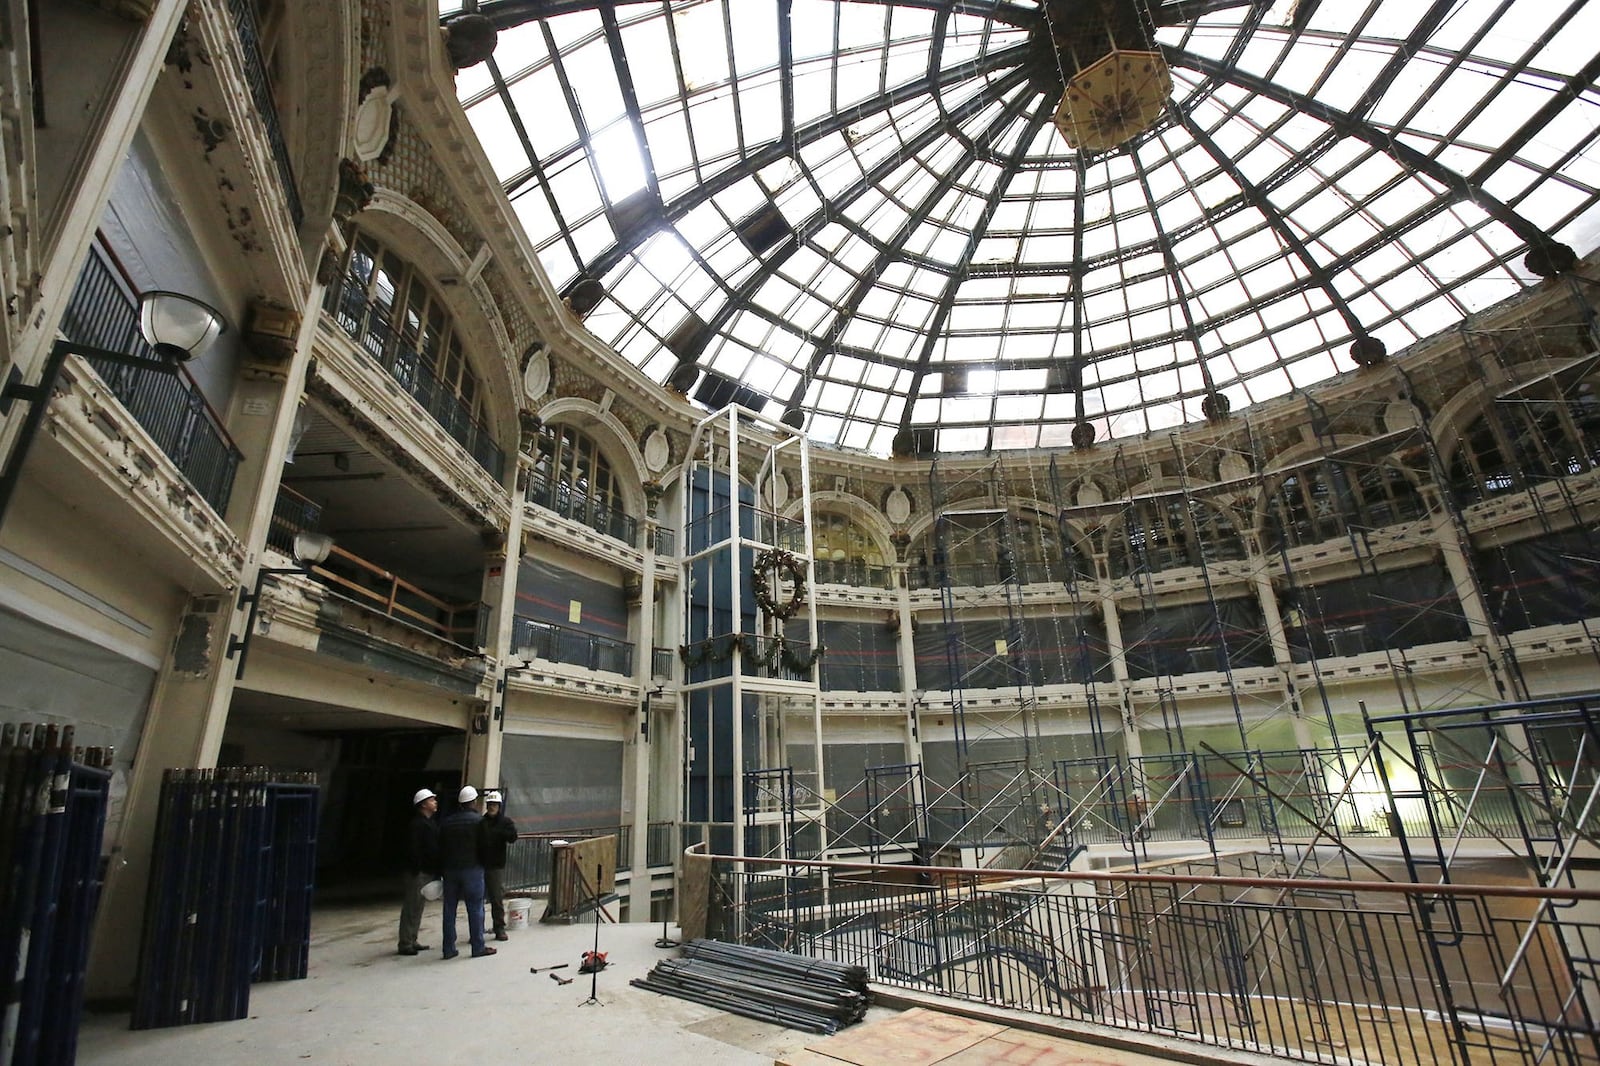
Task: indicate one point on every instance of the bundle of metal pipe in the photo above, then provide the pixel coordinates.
(814, 995)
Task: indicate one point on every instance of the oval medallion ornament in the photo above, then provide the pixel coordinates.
(374, 124)
(897, 508)
(778, 491)
(1233, 467)
(657, 451)
(536, 374)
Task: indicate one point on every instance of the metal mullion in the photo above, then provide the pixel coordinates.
(630, 97)
(535, 171)
(558, 64)
(742, 299)
(786, 73)
(1275, 222)
(834, 122)
(1457, 185)
(1174, 272)
(733, 78)
(1570, 91)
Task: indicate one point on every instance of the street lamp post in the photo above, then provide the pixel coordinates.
(176, 327)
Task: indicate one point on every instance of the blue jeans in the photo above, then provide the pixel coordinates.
(463, 886)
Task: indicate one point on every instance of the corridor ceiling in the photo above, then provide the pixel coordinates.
(861, 216)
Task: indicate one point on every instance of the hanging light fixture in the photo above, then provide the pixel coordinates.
(1113, 100)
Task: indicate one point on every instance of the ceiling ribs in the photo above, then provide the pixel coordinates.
(947, 298)
(741, 298)
(1269, 211)
(1409, 158)
(775, 151)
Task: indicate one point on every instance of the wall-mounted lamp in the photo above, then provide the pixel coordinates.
(919, 701)
(309, 550)
(177, 328)
(644, 710)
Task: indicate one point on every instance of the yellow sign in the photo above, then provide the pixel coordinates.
(574, 611)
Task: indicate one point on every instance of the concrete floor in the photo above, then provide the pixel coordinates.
(362, 1004)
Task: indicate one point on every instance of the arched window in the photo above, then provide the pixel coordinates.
(1305, 507)
(387, 307)
(987, 547)
(1161, 532)
(1480, 467)
(844, 552)
(572, 478)
(1388, 496)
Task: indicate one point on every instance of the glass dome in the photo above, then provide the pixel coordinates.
(866, 216)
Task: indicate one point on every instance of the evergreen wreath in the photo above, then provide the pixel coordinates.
(776, 560)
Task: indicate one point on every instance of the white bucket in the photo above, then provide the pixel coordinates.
(517, 913)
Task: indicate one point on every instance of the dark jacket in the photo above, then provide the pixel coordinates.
(458, 840)
(422, 845)
(498, 831)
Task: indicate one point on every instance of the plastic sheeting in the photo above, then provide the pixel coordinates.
(561, 782)
(1191, 637)
(1391, 609)
(861, 657)
(545, 593)
(1548, 581)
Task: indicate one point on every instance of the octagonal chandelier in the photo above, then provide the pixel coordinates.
(1113, 100)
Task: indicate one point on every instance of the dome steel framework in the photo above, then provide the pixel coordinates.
(862, 215)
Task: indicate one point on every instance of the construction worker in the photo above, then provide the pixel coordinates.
(498, 832)
(460, 859)
(422, 864)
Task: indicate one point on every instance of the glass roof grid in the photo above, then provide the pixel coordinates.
(1291, 151)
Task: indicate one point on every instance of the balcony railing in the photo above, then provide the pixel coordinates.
(368, 325)
(586, 510)
(255, 72)
(661, 662)
(170, 407)
(292, 513)
(857, 573)
(1314, 970)
(381, 591)
(533, 639)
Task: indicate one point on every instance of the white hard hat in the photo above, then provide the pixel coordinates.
(467, 794)
(491, 796)
(422, 794)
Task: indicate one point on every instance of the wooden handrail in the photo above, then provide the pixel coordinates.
(387, 601)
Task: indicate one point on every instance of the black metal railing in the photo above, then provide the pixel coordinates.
(1313, 970)
(666, 542)
(533, 639)
(584, 509)
(102, 313)
(661, 662)
(292, 513)
(368, 325)
(855, 572)
(255, 72)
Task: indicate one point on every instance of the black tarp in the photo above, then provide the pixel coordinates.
(1191, 637)
(1548, 581)
(860, 657)
(1369, 612)
(561, 782)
